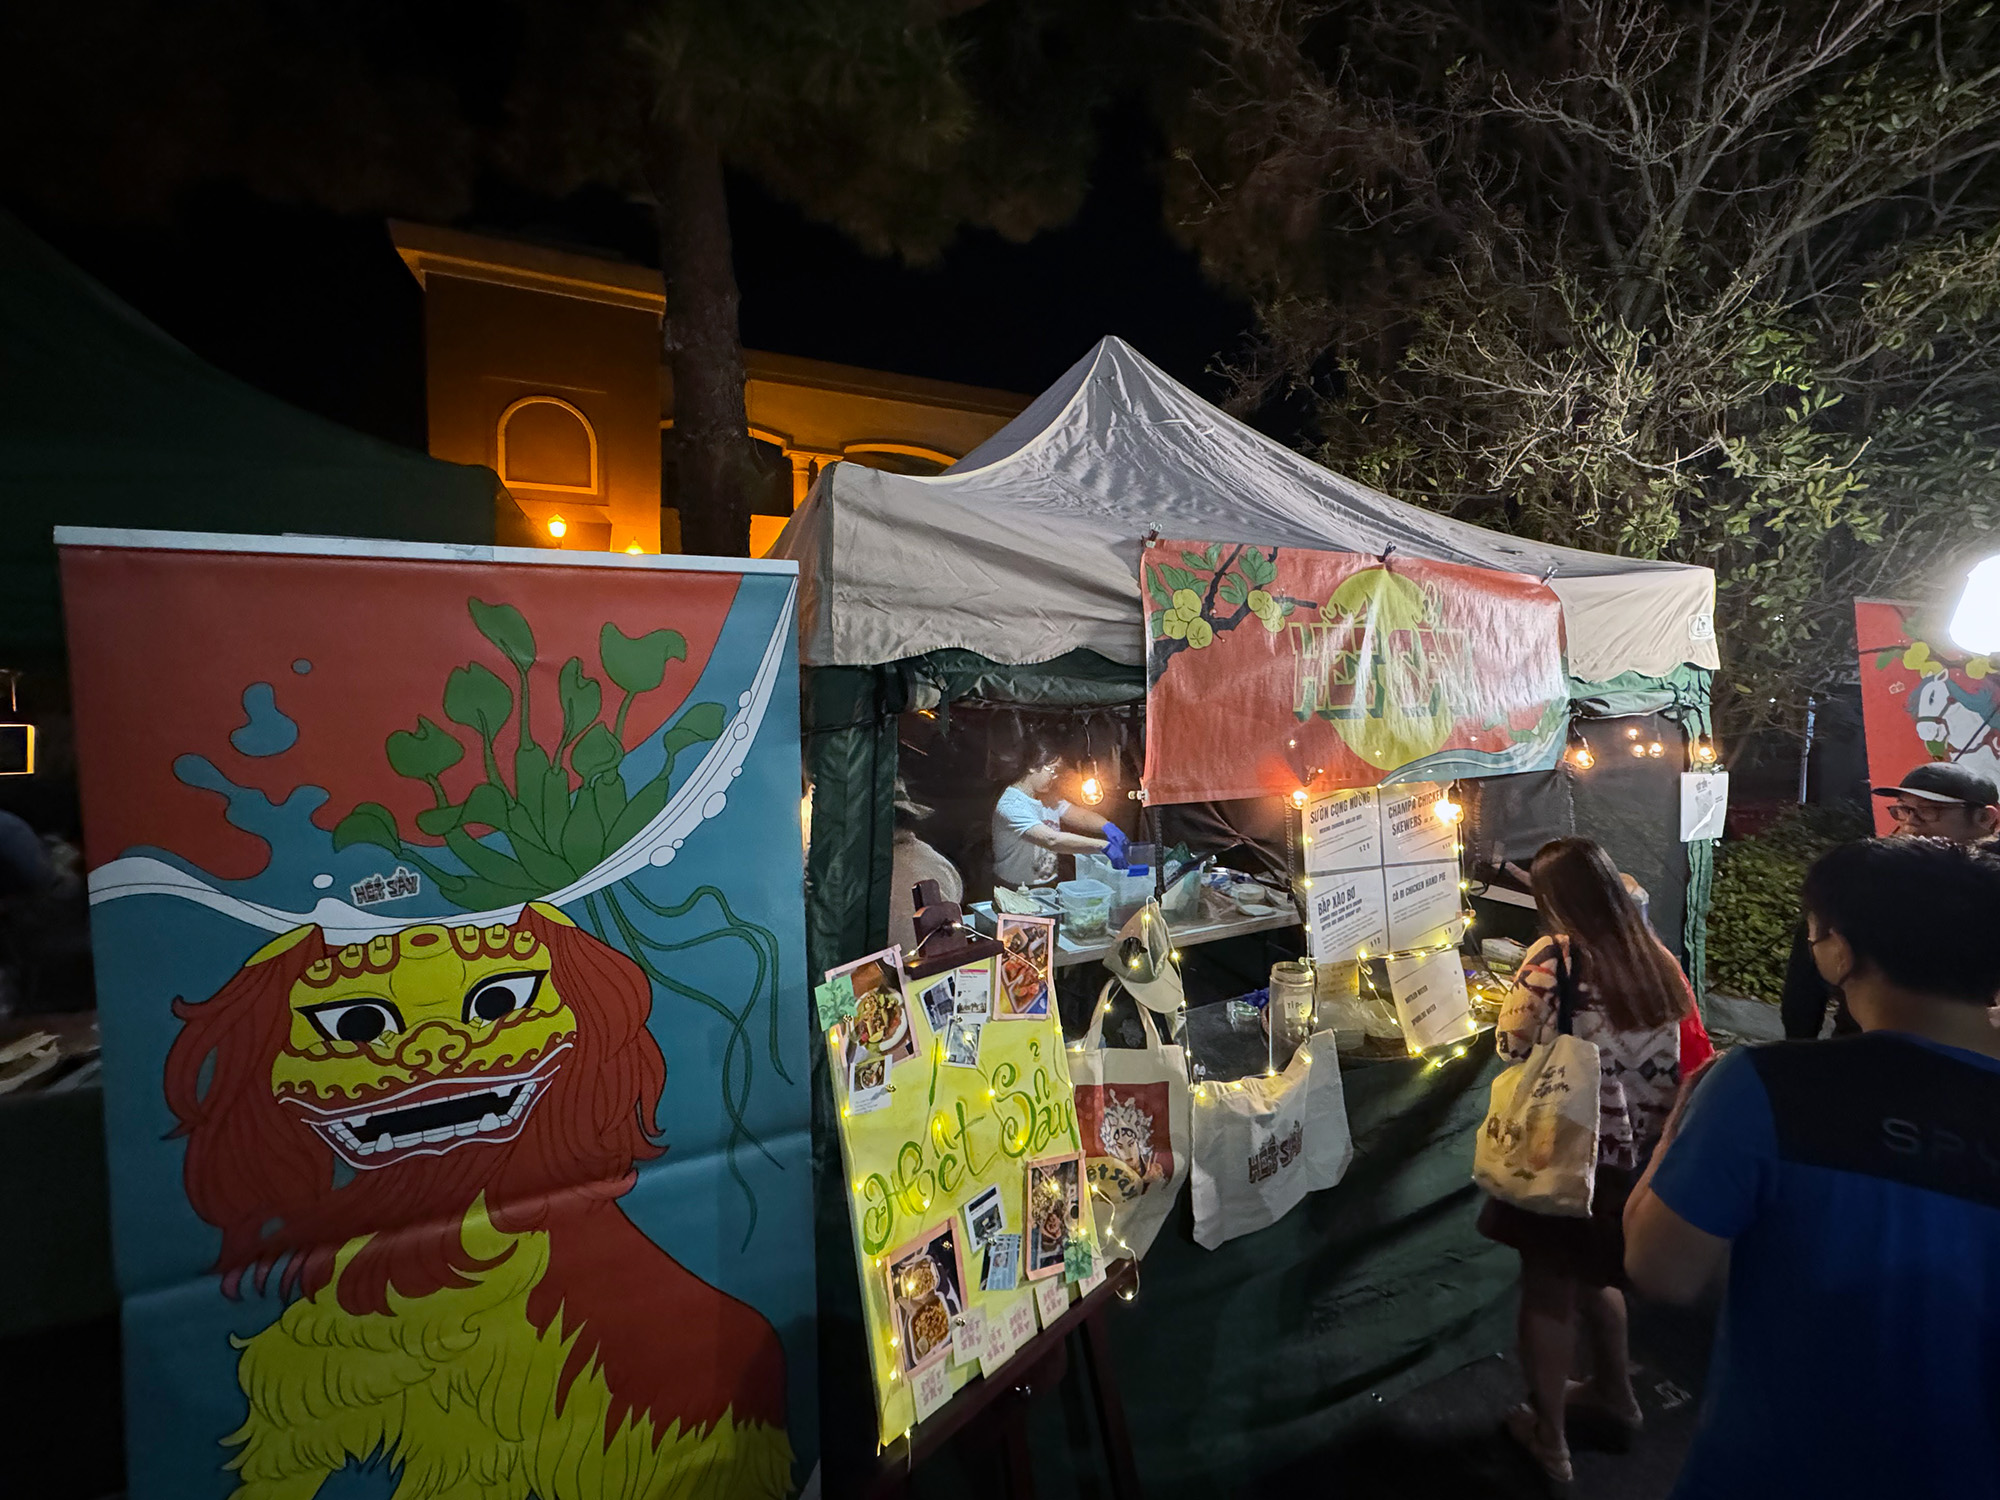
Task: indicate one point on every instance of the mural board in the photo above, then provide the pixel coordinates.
(447, 914)
(1923, 699)
(942, 1114)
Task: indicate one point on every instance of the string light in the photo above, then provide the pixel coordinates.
(1093, 789)
(557, 526)
(1299, 798)
(1656, 750)
(634, 549)
(1631, 734)
(1639, 752)
(1448, 812)
(1704, 751)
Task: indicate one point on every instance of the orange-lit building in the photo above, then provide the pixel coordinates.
(546, 365)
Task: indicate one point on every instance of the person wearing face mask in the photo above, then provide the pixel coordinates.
(1852, 1188)
(1030, 830)
(1939, 801)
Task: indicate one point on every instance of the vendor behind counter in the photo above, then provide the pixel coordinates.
(1030, 832)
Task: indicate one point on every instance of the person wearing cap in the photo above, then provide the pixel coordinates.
(1939, 801)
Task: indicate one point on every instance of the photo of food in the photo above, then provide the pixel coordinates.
(880, 1026)
(1026, 981)
(926, 1281)
(1054, 1211)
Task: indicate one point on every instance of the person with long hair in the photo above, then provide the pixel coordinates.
(1627, 995)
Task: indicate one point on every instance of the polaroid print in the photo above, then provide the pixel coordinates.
(985, 1217)
(926, 1281)
(880, 1026)
(974, 987)
(1027, 980)
(940, 1001)
(1054, 1212)
(1003, 1264)
(867, 1083)
(961, 1044)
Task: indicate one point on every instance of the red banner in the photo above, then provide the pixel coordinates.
(1922, 699)
(1270, 669)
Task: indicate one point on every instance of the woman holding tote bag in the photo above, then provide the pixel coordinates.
(1602, 975)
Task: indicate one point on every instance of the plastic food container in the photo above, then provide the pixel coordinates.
(1086, 906)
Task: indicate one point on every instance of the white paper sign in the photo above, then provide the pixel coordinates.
(1346, 914)
(932, 1387)
(1430, 999)
(968, 1337)
(1423, 904)
(1704, 804)
(1411, 832)
(1343, 832)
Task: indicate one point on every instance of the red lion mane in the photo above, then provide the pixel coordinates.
(664, 1339)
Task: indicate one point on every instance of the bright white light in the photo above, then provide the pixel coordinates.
(557, 526)
(1975, 624)
(1093, 790)
(1447, 811)
(1299, 797)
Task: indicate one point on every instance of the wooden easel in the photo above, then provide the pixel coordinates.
(995, 1409)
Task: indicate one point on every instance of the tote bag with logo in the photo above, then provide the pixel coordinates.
(1132, 1112)
(1261, 1144)
(1538, 1147)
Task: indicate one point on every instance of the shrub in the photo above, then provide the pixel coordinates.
(1754, 904)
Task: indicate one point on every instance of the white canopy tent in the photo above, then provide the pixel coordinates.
(1029, 546)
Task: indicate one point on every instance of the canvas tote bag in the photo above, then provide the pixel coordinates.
(1262, 1144)
(1538, 1147)
(1132, 1107)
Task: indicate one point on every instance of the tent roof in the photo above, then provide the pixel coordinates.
(1029, 546)
(106, 421)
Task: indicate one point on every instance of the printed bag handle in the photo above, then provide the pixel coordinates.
(1566, 999)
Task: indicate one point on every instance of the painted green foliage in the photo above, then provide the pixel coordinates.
(1185, 598)
(561, 808)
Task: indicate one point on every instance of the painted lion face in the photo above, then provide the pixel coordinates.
(424, 1040)
(510, 1063)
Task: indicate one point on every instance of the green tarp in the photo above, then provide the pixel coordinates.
(105, 421)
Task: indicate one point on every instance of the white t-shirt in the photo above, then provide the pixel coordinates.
(1017, 862)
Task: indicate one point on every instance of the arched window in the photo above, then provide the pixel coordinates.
(547, 444)
(898, 458)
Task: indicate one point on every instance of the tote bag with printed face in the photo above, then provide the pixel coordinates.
(1262, 1144)
(1132, 1112)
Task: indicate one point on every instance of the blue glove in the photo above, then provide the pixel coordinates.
(1114, 845)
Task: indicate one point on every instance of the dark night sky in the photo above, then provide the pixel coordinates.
(317, 309)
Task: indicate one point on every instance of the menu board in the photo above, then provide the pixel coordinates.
(1343, 832)
(1411, 830)
(1423, 903)
(1430, 997)
(1347, 916)
(958, 1131)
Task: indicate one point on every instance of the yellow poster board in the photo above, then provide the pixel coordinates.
(950, 1087)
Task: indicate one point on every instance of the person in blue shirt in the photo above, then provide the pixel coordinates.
(1853, 1188)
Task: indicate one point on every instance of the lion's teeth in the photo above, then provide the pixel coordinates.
(489, 1121)
(440, 1133)
(468, 1128)
(408, 1140)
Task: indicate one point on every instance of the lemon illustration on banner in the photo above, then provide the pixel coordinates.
(1385, 695)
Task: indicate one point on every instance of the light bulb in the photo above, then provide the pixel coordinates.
(1640, 751)
(1447, 811)
(1975, 623)
(1631, 734)
(557, 526)
(635, 549)
(1093, 790)
(1656, 749)
(1704, 751)
(1299, 798)
(1581, 758)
